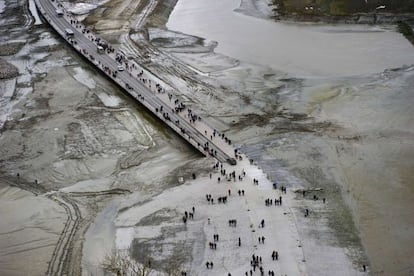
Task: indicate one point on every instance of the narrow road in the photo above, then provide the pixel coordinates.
(137, 82)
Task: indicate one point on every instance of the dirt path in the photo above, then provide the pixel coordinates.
(58, 264)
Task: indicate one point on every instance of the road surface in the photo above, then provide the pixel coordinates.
(136, 81)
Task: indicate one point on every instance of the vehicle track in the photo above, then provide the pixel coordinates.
(61, 261)
(196, 136)
(23, 184)
(116, 191)
(62, 257)
(142, 17)
(58, 264)
(27, 15)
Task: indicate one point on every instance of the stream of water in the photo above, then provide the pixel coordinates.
(299, 49)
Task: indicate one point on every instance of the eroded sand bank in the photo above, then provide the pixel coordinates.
(300, 131)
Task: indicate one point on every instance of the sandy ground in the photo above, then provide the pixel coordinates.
(30, 228)
(375, 166)
(152, 228)
(199, 67)
(73, 131)
(329, 133)
(63, 125)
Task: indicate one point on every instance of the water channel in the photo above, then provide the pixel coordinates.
(299, 49)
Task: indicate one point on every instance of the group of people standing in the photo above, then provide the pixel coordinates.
(256, 263)
(269, 201)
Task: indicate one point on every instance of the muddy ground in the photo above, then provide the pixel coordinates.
(63, 124)
(69, 127)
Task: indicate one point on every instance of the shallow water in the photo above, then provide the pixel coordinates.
(299, 49)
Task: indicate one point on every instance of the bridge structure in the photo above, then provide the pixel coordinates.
(139, 83)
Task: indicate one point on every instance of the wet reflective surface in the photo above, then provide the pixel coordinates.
(304, 50)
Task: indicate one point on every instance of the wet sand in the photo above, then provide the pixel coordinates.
(376, 166)
(368, 152)
(301, 131)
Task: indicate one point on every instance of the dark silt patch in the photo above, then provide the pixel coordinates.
(160, 216)
(174, 254)
(316, 182)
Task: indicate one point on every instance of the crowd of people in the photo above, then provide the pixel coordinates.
(179, 107)
(257, 263)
